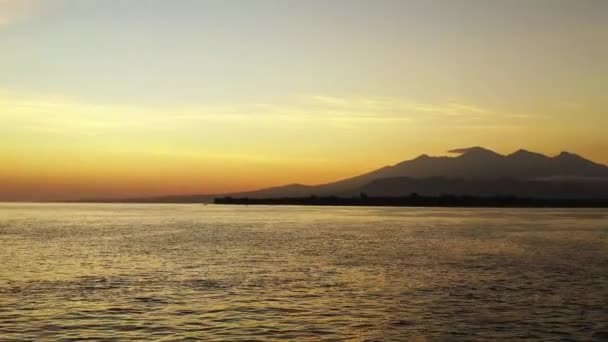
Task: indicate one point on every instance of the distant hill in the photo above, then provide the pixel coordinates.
(401, 186)
(473, 171)
(480, 163)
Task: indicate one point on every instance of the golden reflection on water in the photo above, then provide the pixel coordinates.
(301, 273)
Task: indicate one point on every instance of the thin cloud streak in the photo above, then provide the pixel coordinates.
(56, 113)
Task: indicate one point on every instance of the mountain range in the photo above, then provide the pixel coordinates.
(472, 171)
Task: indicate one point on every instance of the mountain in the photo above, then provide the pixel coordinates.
(470, 170)
(480, 163)
(402, 186)
(476, 163)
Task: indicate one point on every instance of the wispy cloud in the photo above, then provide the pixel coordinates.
(399, 106)
(56, 113)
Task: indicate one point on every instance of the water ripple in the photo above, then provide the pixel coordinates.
(146, 272)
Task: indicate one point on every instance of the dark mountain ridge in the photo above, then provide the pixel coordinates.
(437, 186)
(468, 173)
(475, 163)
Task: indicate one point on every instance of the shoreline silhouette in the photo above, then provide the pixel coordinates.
(415, 200)
(474, 172)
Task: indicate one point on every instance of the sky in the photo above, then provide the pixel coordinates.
(122, 98)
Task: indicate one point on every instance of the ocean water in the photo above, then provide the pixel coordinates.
(195, 272)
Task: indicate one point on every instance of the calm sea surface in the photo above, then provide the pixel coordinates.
(180, 272)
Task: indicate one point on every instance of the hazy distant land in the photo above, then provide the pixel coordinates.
(416, 200)
(533, 178)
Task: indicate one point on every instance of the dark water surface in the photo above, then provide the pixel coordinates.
(179, 272)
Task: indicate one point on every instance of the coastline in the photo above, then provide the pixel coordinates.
(424, 201)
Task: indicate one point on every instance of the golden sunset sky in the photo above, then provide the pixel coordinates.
(138, 98)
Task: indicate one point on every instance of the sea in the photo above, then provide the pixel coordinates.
(141, 272)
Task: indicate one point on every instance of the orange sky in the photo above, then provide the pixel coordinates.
(102, 100)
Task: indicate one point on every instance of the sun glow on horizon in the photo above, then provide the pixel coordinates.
(99, 100)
